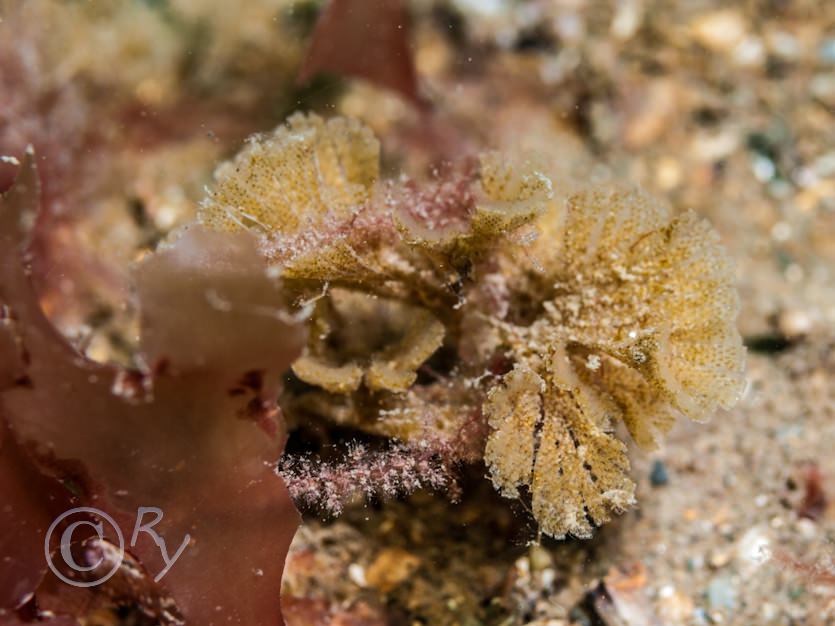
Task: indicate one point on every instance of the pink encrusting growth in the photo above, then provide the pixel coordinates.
(365, 474)
(436, 211)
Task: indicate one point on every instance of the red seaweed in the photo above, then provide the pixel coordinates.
(814, 501)
(171, 439)
(365, 39)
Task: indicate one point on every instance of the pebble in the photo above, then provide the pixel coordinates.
(485, 8)
(781, 231)
(549, 576)
(784, 44)
(763, 168)
(794, 273)
(570, 26)
(627, 19)
(750, 52)
(539, 558)
(780, 188)
(668, 173)
(824, 165)
(658, 476)
(719, 31)
(719, 558)
(714, 146)
(769, 611)
(391, 567)
(826, 51)
(794, 323)
(659, 108)
(357, 574)
(700, 616)
(806, 528)
(752, 548)
(822, 86)
(674, 606)
(522, 569)
(721, 594)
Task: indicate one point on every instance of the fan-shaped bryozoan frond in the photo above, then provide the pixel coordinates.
(635, 320)
(295, 178)
(558, 314)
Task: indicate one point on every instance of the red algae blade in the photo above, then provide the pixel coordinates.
(181, 448)
(365, 39)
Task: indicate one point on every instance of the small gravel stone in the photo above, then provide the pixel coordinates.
(540, 558)
(794, 323)
(658, 476)
(826, 51)
(721, 594)
(719, 558)
(391, 567)
(720, 30)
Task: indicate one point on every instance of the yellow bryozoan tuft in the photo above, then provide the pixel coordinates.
(295, 178)
(635, 321)
(549, 317)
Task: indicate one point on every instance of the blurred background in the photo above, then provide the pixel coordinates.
(724, 107)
